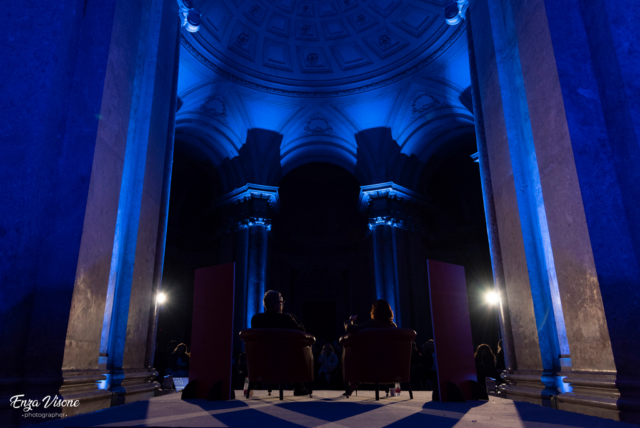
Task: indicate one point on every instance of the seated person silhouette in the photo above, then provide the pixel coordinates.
(381, 317)
(272, 317)
(485, 364)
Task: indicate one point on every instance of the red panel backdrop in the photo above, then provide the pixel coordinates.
(451, 326)
(212, 331)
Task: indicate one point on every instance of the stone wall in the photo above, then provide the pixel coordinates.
(88, 102)
(554, 86)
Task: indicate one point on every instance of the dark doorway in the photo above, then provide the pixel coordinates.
(318, 319)
(320, 259)
(457, 232)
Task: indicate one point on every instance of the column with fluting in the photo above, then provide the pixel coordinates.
(395, 231)
(248, 210)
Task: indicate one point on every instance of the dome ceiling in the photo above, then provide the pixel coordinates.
(377, 87)
(306, 43)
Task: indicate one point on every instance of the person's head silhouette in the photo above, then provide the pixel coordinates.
(273, 301)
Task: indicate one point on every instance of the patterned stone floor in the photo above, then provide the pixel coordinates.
(328, 410)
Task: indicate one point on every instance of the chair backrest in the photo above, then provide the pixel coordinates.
(278, 355)
(377, 355)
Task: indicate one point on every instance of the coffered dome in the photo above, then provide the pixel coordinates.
(307, 43)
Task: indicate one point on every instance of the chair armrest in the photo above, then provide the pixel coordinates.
(277, 334)
(378, 334)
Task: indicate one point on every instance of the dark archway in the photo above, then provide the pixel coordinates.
(319, 252)
(190, 243)
(456, 230)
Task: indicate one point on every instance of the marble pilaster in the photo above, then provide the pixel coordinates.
(103, 107)
(399, 270)
(556, 92)
(248, 211)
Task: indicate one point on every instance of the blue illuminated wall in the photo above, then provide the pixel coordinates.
(599, 81)
(539, 255)
(556, 86)
(76, 115)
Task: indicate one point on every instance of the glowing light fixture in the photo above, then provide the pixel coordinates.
(161, 298)
(454, 11)
(189, 16)
(492, 298)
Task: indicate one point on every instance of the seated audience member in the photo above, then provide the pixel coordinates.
(381, 317)
(416, 360)
(428, 367)
(315, 350)
(337, 348)
(500, 363)
(237, 377)
(178, 362)
(328, 363)
(160, 359)
(485, 363)
(272, 317)
(242, 365)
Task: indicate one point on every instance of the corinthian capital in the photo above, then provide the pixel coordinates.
(389, 204)
(251, 205)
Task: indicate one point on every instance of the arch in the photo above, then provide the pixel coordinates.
(334, 150)
(430, 128)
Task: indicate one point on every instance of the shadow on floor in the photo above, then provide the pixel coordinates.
(454, 407)
(294, 413)
(329, 410)
(529, 412)
(451, 415)
(122, 414)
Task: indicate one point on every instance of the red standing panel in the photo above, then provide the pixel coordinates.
(451, 327)
(212, 331)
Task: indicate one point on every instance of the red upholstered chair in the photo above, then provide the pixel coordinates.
(278, 356)
(378, 355)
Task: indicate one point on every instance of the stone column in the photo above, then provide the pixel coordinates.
(90, 129)
(488, 198)
(399, 268)
(135, 260)
(558, 89)
(248, 211)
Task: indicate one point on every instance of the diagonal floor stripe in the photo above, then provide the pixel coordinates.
(202, 413)
(376, 418)
(327, 410)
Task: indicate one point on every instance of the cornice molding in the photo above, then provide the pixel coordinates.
(323, 94)
(250, 191)
(388, 190)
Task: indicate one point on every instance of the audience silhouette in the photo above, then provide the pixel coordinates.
(328, 364)
(381, 317)
(485, 363)
(272, 317)
(178, 362)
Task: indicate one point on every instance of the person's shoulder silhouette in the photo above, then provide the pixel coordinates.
(273, 317)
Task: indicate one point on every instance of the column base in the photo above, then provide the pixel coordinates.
(527, 387)
(8, 388)
(83, 386)
(135, 385)
(602, 395)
